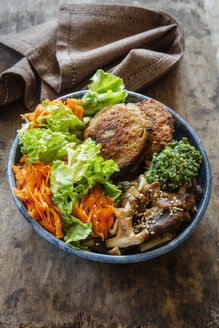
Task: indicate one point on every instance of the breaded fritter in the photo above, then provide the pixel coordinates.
(124, 132)
(162, 121)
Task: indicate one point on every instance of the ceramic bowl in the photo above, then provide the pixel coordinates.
(182, 129)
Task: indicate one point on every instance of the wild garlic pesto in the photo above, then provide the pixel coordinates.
(175, 165)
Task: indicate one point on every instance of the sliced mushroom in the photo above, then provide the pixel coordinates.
(188, 201)
(137, 200)
(149, 213)
(157, 241)
(154, 192)
(143, 185)
(141, 182)
(167, 222)
(170, 194)
(129, 198)
(126, 212)
(198, 192)
(191, 187)
(114, 251)
(157, 223)
(114, 229)
(133, 191)
(186, 216)
(168, 203)
(125, 236)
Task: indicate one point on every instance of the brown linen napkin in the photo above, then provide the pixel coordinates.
(56, 58)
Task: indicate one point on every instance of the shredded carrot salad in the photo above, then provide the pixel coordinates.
(33, 189)
(72, 103)
(97, 208)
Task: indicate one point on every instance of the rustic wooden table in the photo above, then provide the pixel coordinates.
(41, 286)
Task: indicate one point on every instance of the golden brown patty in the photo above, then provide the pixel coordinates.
(162, 121)
(124, 133)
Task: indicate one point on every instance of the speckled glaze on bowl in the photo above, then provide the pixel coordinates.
(182, 129)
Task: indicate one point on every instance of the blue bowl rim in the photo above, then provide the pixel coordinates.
(140, 257)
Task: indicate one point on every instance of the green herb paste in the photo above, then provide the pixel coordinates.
(175, 165)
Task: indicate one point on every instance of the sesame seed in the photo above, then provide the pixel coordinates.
(152, 232)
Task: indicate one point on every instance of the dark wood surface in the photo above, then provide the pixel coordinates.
(41, 286)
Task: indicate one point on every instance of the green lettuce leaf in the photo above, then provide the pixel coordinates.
(65, 198)
(44, 145)
(83, 160)
(85, 168)
(106, 89)
(75, 231)
(62, 119)
(113, 191)
(64, 194)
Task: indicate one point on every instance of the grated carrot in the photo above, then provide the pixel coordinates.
(39, 111)
(97, 208)
(74, 105)
(33, 189)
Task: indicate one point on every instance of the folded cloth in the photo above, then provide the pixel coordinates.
(56, 58)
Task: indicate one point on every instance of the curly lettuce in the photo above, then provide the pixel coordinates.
(105, 90)
(44, 145)
(61, 119)
(75, 231)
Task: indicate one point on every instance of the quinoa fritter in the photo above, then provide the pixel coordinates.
(124, 132)
(162, 121)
